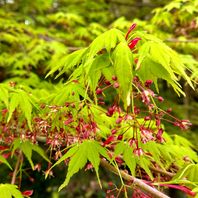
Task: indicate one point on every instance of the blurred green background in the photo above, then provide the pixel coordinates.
(36, 35)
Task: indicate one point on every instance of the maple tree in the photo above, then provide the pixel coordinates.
(98, 106)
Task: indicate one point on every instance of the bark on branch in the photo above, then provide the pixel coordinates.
(137, 182)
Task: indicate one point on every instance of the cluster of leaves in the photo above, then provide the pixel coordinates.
(176, 25)
(78, 120)
(71, 117)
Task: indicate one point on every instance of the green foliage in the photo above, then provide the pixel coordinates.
(50, 39)
(68, 63)
(157, 60)
(27, 147)
(14, 98)
(127, 152)
(189, 172)
(88, 150)
(4, 97)
(123, 66)
(4, 161)
(9, 191)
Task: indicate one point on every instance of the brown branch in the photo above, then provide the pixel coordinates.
(175, 40)
(162, 172)
(137, 182)
(20, 157)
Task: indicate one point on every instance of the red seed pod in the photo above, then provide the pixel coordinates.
(110, 183)
(108, 191)
(187, 159)
(67, 104)
(109, 140)
(160, 99)
(110, 111)
(120, 137)
(160, 140)
(169, 110)
(147, 118)
(27, 193)
(136, 60)
(6, 155)
(99, 91)
(138, 152)
(68, 121)
(119, 160)
(185, 124)
(136, 110)
(148, 83)
(2, 148)
(107, 82)
(4, 112)
(75, 81)
(73, 105)
(133, 26)
(116, 85)
(159, 133)
(133, 42)
(37, 167)
(158, 122)
(114, 78)
(119, 120)
(135, 79)
(101, 99)
(88, 166)
(113, 131)
(176, 124)
(133, 141)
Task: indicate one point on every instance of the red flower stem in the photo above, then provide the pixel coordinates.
(169, 114)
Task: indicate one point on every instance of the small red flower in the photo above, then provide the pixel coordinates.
(136, 60)
(133, 141)
(107, 82)
(160, 99)
(138, 152)
(27, 193)
(109, 139)
(120, 137)
(133, 42)
(113, 131)
(99, 91)
(148, 83)
(185, 124)
(119, 160)
(146, 118)
(89, 166)
(4, 111)
(116, 85)
(68, 121)
(114, 78)
(133, 26)
(119, 120)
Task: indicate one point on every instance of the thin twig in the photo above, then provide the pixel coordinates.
(162, 172)
(136, 182)
(175, 40)
(16, 167)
